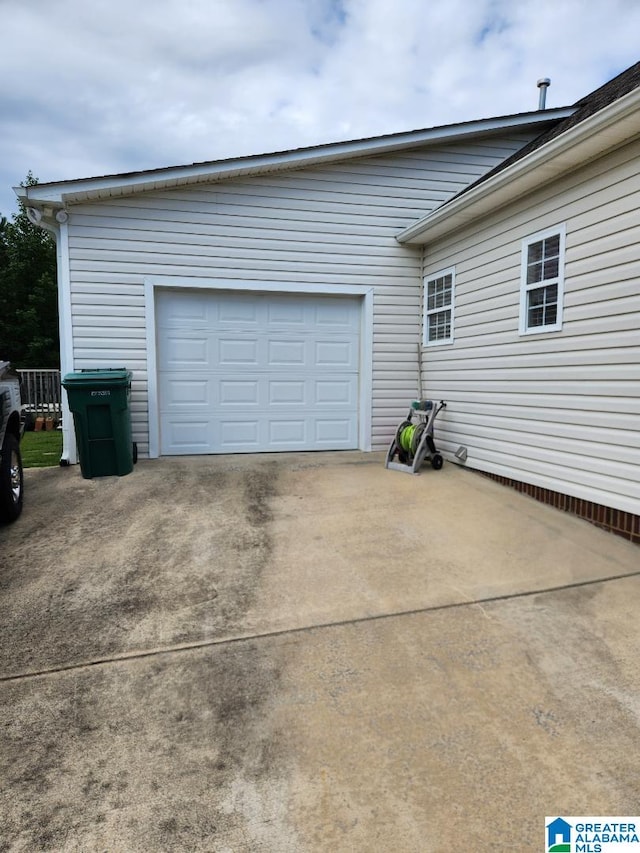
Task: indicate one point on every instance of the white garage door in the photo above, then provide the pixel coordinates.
(247, 372)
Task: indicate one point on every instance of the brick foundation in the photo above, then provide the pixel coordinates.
(626, 524)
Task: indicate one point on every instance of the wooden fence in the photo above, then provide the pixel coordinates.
(41, 393)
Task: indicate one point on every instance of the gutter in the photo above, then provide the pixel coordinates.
(612, 126)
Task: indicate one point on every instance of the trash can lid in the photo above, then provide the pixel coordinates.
(110, 375)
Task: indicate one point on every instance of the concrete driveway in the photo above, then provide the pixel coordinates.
(309, 653)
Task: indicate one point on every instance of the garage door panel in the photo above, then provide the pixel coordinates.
(287, 392)
(239, 433)
(267, 372)
(184, 392)
(345, 317)
(339, 354)
(331, 431)
(172, 311)
(244, 392)
(336, 392)
(288, 432)
(257, 351)
(234, 351)
(238, 312)
(283, 313)
(186, 435)
(181, 350)
(286, 352)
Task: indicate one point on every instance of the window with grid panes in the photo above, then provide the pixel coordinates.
(542, 282)
(438, 308)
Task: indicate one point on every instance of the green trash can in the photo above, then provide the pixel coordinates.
(99, 400)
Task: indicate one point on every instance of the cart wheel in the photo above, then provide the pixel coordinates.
(135, 452)
(436, 461)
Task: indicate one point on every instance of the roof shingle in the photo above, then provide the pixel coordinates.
(592, 103)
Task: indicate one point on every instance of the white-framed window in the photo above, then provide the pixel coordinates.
(542, 281)
(439, 291)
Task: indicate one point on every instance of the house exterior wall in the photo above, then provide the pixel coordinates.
(332, 225)
(558, 410)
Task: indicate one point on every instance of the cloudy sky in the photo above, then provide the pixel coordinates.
(92, 87)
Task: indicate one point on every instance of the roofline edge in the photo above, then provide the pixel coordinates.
(79, 189)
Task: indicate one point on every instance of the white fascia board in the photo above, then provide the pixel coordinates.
(112, 186)
(607, 129)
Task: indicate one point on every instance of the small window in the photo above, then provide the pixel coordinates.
(438, 308)
(542, 280)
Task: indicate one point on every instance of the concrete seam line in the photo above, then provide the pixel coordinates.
(283, 632)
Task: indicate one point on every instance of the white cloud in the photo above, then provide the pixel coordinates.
(99, 87)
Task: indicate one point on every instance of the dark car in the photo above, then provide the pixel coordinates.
(11, 428)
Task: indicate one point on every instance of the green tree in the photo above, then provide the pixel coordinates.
(28, 292)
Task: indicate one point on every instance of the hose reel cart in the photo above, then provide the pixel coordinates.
(413, 441)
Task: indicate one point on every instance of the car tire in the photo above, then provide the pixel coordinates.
(11, 479)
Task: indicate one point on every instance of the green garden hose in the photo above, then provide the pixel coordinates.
(408, 437)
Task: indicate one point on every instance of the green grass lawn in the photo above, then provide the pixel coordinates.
(41, 449)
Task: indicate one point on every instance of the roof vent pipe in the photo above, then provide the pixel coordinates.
(543, 85)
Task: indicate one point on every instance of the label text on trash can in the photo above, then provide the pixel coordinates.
(101, 393)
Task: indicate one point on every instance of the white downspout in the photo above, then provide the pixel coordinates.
(60, 231)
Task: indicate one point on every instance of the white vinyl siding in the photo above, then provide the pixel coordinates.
(558, 410)
(331, 225)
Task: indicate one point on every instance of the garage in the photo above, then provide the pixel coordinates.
(247, 372)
